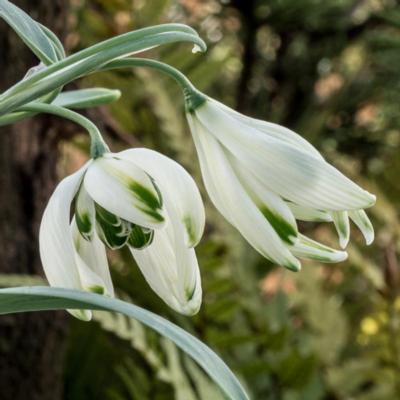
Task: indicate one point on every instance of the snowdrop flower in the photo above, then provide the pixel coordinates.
(262, 177)
(136, 198)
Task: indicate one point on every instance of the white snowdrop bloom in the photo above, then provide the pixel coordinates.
(262, 177)
(136, 198)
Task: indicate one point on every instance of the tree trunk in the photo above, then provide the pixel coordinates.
(31, 345)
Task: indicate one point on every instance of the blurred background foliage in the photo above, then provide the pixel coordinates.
(328, 69)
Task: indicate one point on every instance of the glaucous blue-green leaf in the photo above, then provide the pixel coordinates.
(22, 299)
(29, 31)
(91, 59)
(74, 99)
(84, 98)
(58, 46)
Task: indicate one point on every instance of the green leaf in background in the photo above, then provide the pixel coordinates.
(84, 98)
(39, 298)
(29, 31)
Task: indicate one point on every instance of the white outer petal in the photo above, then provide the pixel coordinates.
(309, 214)
(232, 201)
(55, 241)
(293, 174)
(56, 246)
(178, 189)
(271, 205)
(107, 182)
(91, 259)
(360, 218)
(272, 130)
(171, 270)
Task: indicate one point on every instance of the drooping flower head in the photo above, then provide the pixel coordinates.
(136, 198)
(262, 177)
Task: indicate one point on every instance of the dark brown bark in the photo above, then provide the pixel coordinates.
(31, 345)
(249, 31)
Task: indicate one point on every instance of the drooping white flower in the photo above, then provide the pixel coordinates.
(262, 177)
(136, 198)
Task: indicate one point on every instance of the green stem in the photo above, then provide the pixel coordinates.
(90, 59)
(97, 146)
(193, 97)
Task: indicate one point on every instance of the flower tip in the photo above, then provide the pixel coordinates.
(200, 46)
(196, 49)
(190, 308)
(293, 265)
(191, 311)
(369, 238)
(372, 200)
(343, 241)
(83, 315)
(341, 256)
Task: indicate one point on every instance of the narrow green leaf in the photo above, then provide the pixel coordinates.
(84, 98)
(73, 99)
(39, 298)
(29, 31)
(58, 46)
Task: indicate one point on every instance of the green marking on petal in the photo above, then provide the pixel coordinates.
(111, 238)
(106, 216)
(319, 258)
(84, 213)
(149, 202)
(293, 267)
(160, 197)
(96, 289)
(189, 292)
(313, 250)
(84, 225)
(341, 221)
(112, 235)
(145, 195)
(154, 214)
(190, 230)
(140, 237)
(286, 231)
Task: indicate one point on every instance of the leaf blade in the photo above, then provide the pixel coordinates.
(83, 98)
(29, 31)
(38, 298)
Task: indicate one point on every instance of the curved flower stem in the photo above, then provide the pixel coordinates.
(97, 146)
(193, 97)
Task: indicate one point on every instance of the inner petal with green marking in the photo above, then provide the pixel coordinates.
(112, 231)
(140, 238)
(84, 213)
